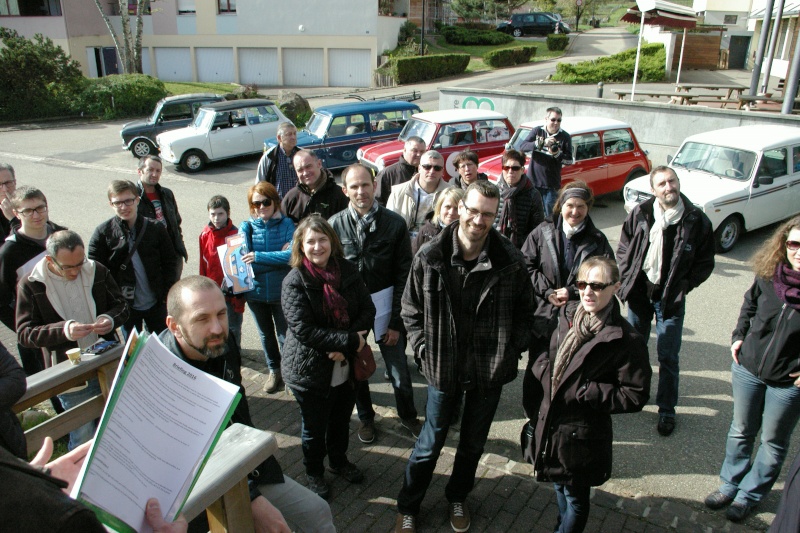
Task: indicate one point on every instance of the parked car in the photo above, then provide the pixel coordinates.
(220, 131)
(449, 132)
(171, 113)
(336, 132)
(606, 153)
(742, 178)
(532, 24)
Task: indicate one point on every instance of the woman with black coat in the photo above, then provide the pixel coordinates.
(597, 366)
(765, 375)
(520, 209)
(329, 312)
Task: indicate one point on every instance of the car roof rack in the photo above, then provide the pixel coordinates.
(408, 97)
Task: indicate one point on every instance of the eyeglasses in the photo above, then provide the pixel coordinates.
(555, 120)
(127, 203)
(474, 212)
(68, 267)
(596, 286)
(41, 210)
(792, 246)
(513, 168)
(7, 184)
(258, 204)
(467, 165)
(437, 168)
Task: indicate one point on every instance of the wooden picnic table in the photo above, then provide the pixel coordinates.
(675, 98)
(729, 87)
(745, 101)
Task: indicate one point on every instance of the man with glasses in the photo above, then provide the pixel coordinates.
(402, 171)
(468, 309)
(68, 301)
(8, 184)
(139, 253)
(466, 164)
(550, 148)
(23, 248)
(414, 199)
(316, 190)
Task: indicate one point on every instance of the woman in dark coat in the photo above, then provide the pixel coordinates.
(329, 312)
(597, 366)
(521, 207)
(765, 376)
(553, 252)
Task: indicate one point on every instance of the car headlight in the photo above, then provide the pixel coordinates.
(631, 195)
(359, 154)
(380, 164)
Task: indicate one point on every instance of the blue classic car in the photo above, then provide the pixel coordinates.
(336, 132)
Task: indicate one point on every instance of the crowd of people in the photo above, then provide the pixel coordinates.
(465, 276)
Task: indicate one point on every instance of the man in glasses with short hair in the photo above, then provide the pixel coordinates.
(23, 248)
(8, 185)
(550, 148)
(414, 199)
(139, 253)
(68, 301)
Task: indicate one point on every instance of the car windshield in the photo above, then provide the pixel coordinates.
(204, 119)
(725, 162)
(418, 128)
(318, 124)
(519, 137)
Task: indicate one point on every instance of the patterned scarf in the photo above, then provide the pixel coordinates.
(365, 224)
(506, 222)
(584, 327)
(655, 252)
(787, 285)
(333, 304)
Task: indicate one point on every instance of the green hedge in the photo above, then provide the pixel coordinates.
(475, 25)
(557, 41)
(509, 56)
(464, 36)
(616, 68)
(122, 95)
(414, 69)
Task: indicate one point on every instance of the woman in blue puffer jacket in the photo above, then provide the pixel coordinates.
(268, 234)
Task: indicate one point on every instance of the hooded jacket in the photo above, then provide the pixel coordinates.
(268, 240)
(327, 200)
(170, 209)
(210, 239)
(404, 198)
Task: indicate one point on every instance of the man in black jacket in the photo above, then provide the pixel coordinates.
(376, 240)
(402, 171)
(139, 253)
(666, 249)
(316, 190)
(158, 203)
(275, 165)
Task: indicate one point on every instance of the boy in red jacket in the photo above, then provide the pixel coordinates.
(213, 235)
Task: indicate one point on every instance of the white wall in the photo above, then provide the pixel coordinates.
(388, 27)
(653, 34)
(317, 17)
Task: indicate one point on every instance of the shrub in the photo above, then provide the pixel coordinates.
(475, 26)
(414, 69)
(463, 36)
(509, 56)
(408, 30)
(122, 95)
(557, 41)
(409, 49)
(616, 68)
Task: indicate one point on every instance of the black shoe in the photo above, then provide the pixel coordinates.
(349, 471)
(717, 500)
(318, 485)
(666, 425)
(738, 511)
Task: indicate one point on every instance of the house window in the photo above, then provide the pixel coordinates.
(186, 6)
(31, 8)
(730, 19)
(227, 6)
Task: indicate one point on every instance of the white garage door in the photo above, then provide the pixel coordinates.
(302, 66)
(214, 64)
(174, 64)
(349, 67)
(259, 66)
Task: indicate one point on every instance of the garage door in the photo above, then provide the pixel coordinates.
(349, 67)
(174, 64)
(302, 66)
(215, 64)
(259, 66)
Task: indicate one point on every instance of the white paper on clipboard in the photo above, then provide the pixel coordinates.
(383, 311)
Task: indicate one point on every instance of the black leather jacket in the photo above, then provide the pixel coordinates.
(170, 208)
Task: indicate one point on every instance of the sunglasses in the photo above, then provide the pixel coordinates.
(596, 287)
(514, 168)
(792, 246)
(258, 204)
(555, 120)
(437, 168)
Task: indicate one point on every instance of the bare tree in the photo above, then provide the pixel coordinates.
(129, 45)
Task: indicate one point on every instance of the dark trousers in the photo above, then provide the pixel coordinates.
(32, 359)
(154, 318)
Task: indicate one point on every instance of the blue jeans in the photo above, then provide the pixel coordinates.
(397, 366)
(234, 322)
(154, 318)
(479, 410)
(549, 197)
(668, 346)
(70, 400)
(269, 319)
(756, 405)
(573, 508)
(325, 428)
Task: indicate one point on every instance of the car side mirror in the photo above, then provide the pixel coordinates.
(160, 119)
(436, 146)
(669, 159)
(765, 180)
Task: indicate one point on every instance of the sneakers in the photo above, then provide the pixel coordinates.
(318, 485)
(405, 523)
(666, 425)
(274, 382)
(413, 425)
(459, 516)
(717, 500)
(366, 433)
(349, 471)
(738, 511)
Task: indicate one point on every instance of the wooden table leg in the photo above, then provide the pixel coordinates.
(231, 513)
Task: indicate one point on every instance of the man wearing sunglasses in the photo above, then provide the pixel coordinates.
(414, 199)
(550, 148)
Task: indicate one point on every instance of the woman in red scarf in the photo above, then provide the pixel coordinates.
(329, 311)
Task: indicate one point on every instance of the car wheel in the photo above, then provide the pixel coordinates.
(517, 32)
(728, 233)
(143, 147)
(193, 161)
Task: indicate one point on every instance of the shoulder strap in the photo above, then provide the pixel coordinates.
(136, 243)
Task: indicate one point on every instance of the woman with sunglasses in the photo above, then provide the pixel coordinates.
(553, 252)
(445, 212)
(268, 233)
(765, 375)
(520, 208)
(597, 365)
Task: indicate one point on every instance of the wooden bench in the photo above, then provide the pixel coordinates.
(692, 99)
(746, 102)
(675, 98)
(729, 87)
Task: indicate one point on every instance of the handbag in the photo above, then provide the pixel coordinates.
(364, 364)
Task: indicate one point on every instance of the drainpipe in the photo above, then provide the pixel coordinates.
(790, 87)
(762, 44)
(776, 31)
